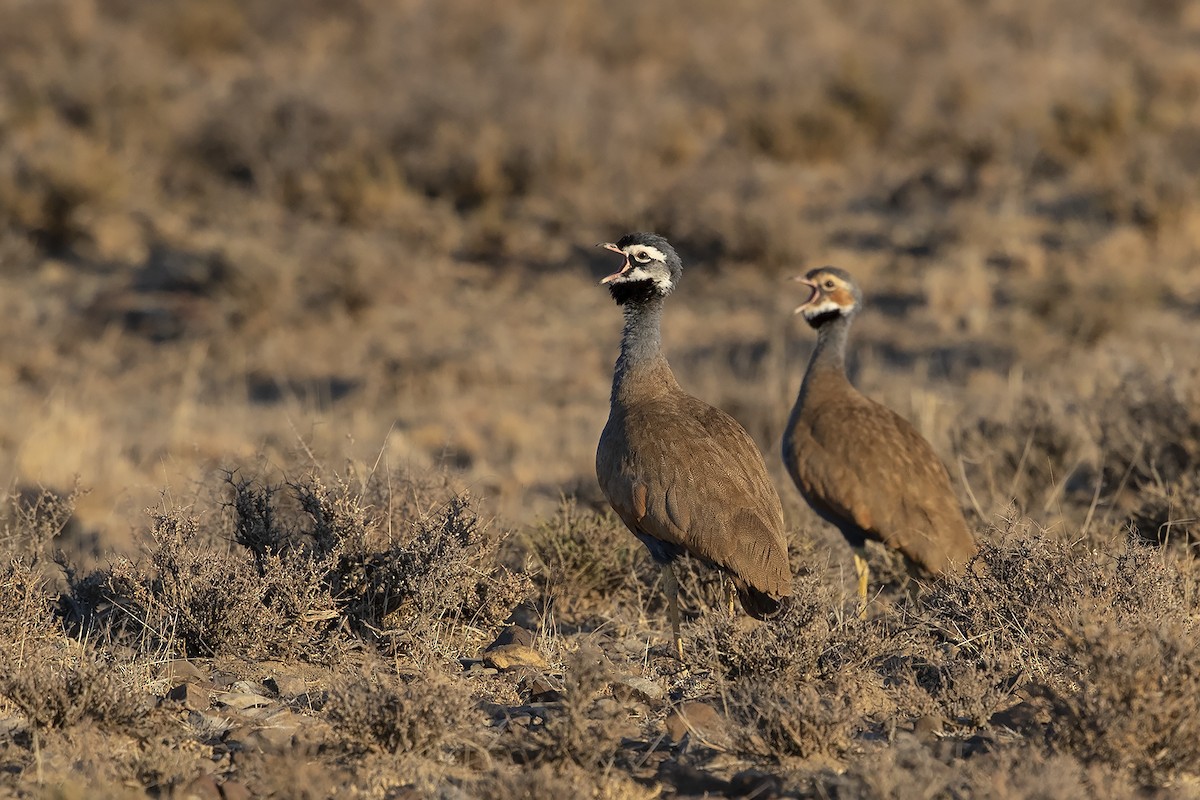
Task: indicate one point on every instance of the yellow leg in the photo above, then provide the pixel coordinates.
(864, 574)
(671, 587)
(730, 594)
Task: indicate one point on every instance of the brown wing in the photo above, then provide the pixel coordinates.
(687, 474)
(867, 464)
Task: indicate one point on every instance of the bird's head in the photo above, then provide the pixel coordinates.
(833, 294)
(651, 268)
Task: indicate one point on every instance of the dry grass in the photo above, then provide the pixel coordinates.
(315, 286)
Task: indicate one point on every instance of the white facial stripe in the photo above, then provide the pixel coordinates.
(662, 281)
(646, 249)
(823, 308)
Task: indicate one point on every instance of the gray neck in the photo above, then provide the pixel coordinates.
(829, 357)
(641, 340)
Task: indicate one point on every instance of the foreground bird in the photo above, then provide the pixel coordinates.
(861, 466)
(683, 476)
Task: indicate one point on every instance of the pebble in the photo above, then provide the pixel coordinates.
(509, 656)
(695, 717)
(642, 690)
(190, 696)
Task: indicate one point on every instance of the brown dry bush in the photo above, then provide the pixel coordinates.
(195, 600)
(584, 730)
(429, 716)
(56, 688)
(1169, 512)
(779, 718)
(1136, 702)
(27, 620)
(582, 556)
(382, 563)
(1011, 599)
(791, 645)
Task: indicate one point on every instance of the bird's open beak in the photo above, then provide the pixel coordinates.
(812, 288)
(625, 268)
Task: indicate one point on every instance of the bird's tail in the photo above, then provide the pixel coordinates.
(761, 605)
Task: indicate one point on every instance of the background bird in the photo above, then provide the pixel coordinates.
(683, 476)
(861, 466)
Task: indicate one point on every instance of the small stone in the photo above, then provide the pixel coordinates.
(270, 739)
(190, 696)
(695, 718)
(514, 655)
(479, 669)
(202, 788)
(287, 685)
(185, 670)
(232, 790)
(513, 634)
(242, 700)
(928, 727)
(643, 690)
(539, 689)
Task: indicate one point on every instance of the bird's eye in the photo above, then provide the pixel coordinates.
(829, 284)
(642, 256)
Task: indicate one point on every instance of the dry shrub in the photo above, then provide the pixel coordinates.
(779, 717)
(27, 621)
(904, 771)
(1011, 599)
(1136, 704)
(57, 689)
(559, 780)
(431, 716)
(1034, 457)
(1169, 512)
(35, 519)
(791, 644)
(586, 729)
(308, 569)
(384, 562)
(1027, 772)
(583, 557)
(195, 600)
(1148, 426)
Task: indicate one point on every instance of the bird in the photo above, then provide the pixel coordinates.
(684, 476)
(861, 466)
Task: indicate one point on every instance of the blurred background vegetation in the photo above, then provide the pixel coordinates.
(265, 234)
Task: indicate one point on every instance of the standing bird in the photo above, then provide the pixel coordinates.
(861, 466)
(683, 476)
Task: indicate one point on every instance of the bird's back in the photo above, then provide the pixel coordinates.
(866, 469)
(685, 476)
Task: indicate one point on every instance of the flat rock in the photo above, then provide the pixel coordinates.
(242, 700)
(514, 655)
(190, 696)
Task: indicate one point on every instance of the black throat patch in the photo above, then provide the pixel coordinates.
(822, 318)
(633, 292)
